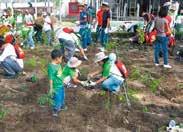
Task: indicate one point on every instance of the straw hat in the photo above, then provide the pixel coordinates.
(100, 56)
(74, 62)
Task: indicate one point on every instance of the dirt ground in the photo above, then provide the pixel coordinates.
(92, 110)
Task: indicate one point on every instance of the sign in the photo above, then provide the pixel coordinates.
(73, 8)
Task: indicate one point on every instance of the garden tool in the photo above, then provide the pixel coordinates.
(125, 86)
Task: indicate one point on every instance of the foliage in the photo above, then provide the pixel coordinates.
(145, 109)
(179, 86)
(3, 112)
(43, 65)
(45, 99)
(111, 46)
(31, 63)
(135, 74)
(141, 35)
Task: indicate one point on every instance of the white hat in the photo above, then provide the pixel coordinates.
(74, 62)
(167, 4)
(100, 56)
(105, 3)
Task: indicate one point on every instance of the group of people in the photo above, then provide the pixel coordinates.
(111, 78)
(27, 27)
(103, 25)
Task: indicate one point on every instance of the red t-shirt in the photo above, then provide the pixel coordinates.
(99, 17)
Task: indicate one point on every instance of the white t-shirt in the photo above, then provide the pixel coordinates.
(47, 22)
(29, 19)
(9, 50)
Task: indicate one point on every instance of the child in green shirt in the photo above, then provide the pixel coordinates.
(55, 81)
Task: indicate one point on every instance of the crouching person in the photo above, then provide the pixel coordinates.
(9, 62)
(55, 80)
(111, 78)
(71, 73)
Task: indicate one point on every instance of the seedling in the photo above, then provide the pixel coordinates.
(45, 99)
(31, 63)
(145, 109)
(3, 112)
(135, 75)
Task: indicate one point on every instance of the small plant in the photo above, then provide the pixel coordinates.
(179, 86)
(154, 85)
(111, 46)
(102, 93)
(145, 109)
(3, 112)
(45, 99)
(135, 74)
(141, 35)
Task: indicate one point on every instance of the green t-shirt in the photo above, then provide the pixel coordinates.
(55, 74)
(67, 71)
(106, 69)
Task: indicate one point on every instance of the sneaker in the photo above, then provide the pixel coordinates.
(85, 58)
(167, 66)
(64, 108)
(77, 50)
(102, 49)
(85, 49)
(32, 48)
(55, 114)
(156, 64)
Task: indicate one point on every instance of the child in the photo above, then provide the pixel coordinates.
(55, 81)
(71, 73)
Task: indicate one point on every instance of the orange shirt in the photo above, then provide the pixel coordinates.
(99, 17)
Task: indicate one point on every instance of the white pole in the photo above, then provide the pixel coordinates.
(35, 4)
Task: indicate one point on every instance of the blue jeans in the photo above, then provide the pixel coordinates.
(103, 37)
(30, 40)
(49, 37)
(83, 32)
(98, 32)
(38, 36)
(161, 43)
(89, 38)
(69, 46)
(111, 83)
(10, 66)
(59, 98)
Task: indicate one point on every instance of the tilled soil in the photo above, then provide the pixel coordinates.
(88, 109)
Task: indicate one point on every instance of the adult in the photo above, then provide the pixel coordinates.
(29, 22)
(47, 27)
(38, 27)
(83, 26)
(99, 23)
(69, 41)
(105, 25)
(9, 61)
(111, 77)
(162, 27)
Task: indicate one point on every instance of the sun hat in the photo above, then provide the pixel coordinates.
(105, 3)
(100, 56)
(74, 62)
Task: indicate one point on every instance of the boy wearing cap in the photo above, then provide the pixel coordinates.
(111, 77)
(55, 81)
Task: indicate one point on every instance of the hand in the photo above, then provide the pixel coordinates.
(51, 91)
(92, 83)
(106, 30)
(84, 83)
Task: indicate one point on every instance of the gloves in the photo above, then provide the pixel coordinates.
(84, 83)
(106, 30)
(92, 83)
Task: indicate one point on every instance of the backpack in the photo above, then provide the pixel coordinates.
(120, 65)
(20, 53)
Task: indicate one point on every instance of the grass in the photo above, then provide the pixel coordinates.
(3, 112)
(43, 65)
(135, 74)
(31, 63)
(179, 86)
(145, 109)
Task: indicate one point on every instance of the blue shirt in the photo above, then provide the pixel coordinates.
(82, 19)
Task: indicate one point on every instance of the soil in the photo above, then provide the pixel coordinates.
(88, 109)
